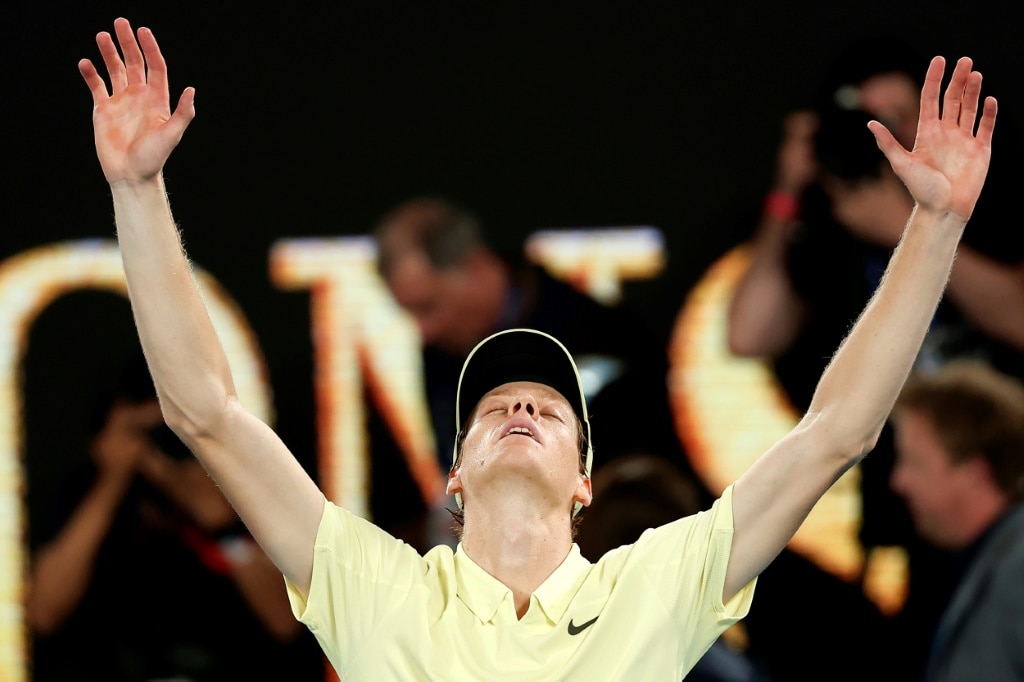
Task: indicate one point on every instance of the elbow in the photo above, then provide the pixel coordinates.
(197, 421)
(856, 448)
(847, 446)
(179, 421)
(869, 443)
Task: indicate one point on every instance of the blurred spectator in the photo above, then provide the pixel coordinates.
(825, 231)
(960, 466)
(459, 288)
(145, 571)
(640, 491)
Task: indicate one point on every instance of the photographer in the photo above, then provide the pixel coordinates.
(825, 232)
(148, 573)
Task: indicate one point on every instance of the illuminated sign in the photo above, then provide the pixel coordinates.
(727, 410)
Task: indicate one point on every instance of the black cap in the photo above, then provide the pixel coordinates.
(521, 355)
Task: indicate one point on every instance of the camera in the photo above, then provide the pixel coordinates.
(844, 146)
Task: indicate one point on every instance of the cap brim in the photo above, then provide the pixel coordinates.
(520, 355)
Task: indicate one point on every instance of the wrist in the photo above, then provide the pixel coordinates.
(143, 184)
(219, 553)
(113, 482)
(781, 205)
(237, 550)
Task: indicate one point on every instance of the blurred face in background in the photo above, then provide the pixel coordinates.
(893, 99)
(936, 489)
(453, 307)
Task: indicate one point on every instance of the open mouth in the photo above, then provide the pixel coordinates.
(520, 431)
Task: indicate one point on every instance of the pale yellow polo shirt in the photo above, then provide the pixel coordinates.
(646, 611)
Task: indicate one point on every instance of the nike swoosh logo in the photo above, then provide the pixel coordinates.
(577, 629)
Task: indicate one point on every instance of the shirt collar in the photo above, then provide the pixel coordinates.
(555, 593)
(483, 594)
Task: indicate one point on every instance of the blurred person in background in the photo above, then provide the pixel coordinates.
(146, 572)
(960, 467)
(458, 288)
(640, 491)
(825, 231)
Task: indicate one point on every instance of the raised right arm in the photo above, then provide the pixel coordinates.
(136, 131)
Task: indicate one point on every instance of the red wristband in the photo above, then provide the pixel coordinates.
(209, 551)
(781, 205)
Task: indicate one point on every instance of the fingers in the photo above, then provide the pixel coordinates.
(931, 88)
(960, 103)
(92, 79)
(132, 70)
(185, 111)
(895, 152)
(988, 122)
(134, 63)
(953, 100)
(969, 107)
(154, 60)
(112, 60)
(883, 136)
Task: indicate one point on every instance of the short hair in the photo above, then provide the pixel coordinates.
(975, 411)
(441, 230)
(868, 56)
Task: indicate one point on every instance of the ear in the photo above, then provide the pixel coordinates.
(584, 492)
(454, 482)
(480, 259)
(978, 469)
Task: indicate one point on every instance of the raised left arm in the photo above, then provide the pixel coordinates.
(944, 173)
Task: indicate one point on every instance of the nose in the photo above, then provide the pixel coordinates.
(524, 403)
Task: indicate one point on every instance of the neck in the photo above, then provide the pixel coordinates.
(518, 545)
(979, 516)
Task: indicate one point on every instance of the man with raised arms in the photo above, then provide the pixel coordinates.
(516, 600)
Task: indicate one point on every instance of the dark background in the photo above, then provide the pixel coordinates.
(315, 118)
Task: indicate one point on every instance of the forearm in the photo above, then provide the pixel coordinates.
(253, 468)
(765, 311)
(188, 364)
(63, 569)
(860, 385)
(262, 587)
(851, 402)
(985, 290)
(136, 129)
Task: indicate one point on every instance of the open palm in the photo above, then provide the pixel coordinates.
(947, 167)
(134, 126)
